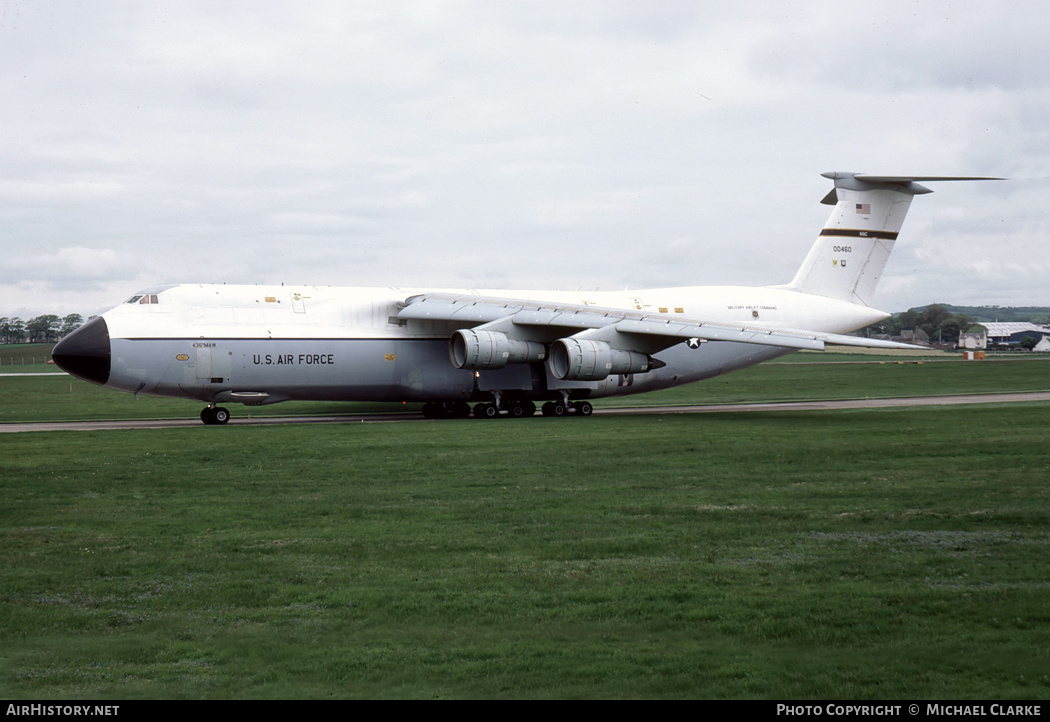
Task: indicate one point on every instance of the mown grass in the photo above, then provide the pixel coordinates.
(26, 358)
(866, 554)
(849, 380)
(64, 398)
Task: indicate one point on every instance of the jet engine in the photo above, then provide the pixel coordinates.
(472, 349)
(575, 359)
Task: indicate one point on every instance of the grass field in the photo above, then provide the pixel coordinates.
(899, 553)
(17, 357)
(63, 398)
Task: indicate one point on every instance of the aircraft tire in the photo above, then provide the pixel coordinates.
(520, 409)
(559, 410)
(206, 415)
(584, 408)
(486, 411)
(220, 415)
(548, 409)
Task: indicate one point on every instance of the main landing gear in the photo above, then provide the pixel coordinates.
(215, 415)
(560, 408)
(513, 409)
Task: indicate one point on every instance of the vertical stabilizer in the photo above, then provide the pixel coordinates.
(848, 257)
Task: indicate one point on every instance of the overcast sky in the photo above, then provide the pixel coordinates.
(594, 144)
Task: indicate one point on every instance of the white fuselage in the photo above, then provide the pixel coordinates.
(263, 344)
(503, 349)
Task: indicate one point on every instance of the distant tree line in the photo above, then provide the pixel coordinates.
(1032, 314)
(939, 324)
(42, 329)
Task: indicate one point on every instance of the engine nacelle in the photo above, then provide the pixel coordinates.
(576, 359)
(472, 349)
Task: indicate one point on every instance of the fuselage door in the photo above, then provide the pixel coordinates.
(203, 362)
(298, 303)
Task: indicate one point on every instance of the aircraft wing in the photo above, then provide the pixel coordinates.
(629, 330)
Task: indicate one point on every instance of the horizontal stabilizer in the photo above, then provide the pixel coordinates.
(908, 179)
(902, 183)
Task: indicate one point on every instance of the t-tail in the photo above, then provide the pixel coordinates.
(848, 257)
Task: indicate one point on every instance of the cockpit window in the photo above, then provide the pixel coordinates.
(144, 299)
(133, 299)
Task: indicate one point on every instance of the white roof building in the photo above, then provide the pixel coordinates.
(1002, 332)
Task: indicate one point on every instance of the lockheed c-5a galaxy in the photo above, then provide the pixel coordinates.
(502, 351)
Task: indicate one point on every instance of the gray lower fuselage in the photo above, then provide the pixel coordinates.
(260, 371)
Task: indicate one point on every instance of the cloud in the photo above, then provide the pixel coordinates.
(594, 144)
(68, 267)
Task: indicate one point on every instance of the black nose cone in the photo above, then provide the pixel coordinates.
(85, 352)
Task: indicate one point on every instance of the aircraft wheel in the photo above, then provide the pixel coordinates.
(548, 409)
(518, 409)
(206, 415)
(220, 415)
(430, 410)
(486, 411)
(559, 410)
(584, 408)
(460, 410)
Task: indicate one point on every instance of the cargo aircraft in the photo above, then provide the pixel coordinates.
(502, 351)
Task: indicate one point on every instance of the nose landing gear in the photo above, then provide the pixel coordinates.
(215, 415)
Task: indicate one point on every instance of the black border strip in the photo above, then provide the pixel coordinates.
(853, 233)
